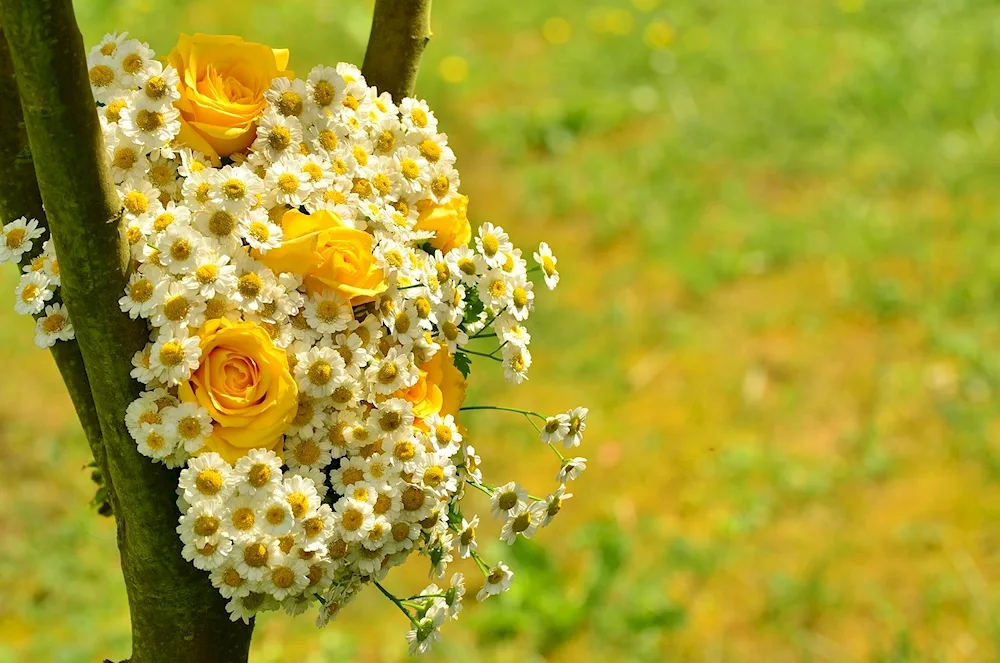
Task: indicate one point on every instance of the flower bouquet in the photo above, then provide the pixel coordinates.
(314, 293)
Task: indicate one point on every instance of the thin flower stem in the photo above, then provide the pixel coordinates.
(562, 458)
(533, 424)
(424, 596)
(481, 354)
(483, 566)
(479, 334)
(488, 490)
(398, 603)
(499, 348)
(415, 285)
(503, 409)
(472, 338)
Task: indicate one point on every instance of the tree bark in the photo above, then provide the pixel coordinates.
(19, 196)
(176, 614)
(400, 32)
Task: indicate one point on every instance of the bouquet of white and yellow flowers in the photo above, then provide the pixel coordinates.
(313, 291)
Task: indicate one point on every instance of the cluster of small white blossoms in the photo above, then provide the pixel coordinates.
(37, 292)
(361, 481)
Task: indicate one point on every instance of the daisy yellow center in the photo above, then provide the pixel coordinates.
(208, 481)
(423, 307)
(342, 394)
(215, 308)
(491, 244)
(320, 372)
(520, 297)
(113, 111)
(352, 520)
(409, 168)
(548, 265)
(495, 576)
(206, 525)
(400, 532)
(313, 170)
(180, 250)
(551, 426)
(521, 522)
(382, 184)
(351, 476)
(443, 434)
(507, 501)
(434, 476)
(360, 155)
(256, 555)
(450, 330)
(299, 504)
(413, 498)
(288, 183)
(29, 292)
(440, 186)
(362, 186)
(136, 202)
(386, 141)
(232, 578)
(250, 285)
(109, 48)
(279, 138)
(337, 549)
(328, 139)
(176, 308)
(307, 452)
(467, 266)
(155, 87)
(189, 428)
(101, 75)
(150, 417)
(54, 323)
(148, 120)
(387, 372)
(419, 117)
(382, 504)
(498, 288)
(430, 150)
(328, 310)
(259, 232)
(201, 193)
(207, 273)
(276, 515)
(234, 189)
(517, 363)
(324, 93)
(334, 197)
(259, 475)
(389, 421)
(162, 222)
(402, 324)
(282, 577)
(468, 536)
(133, 235)
(404, 449)
(555, 506)
(313, 527)
(125, 158)
(221, 223)
(290, 103)
(351, 102)
(155, 441)
(208, 549)
(171, 354)
(132, 63)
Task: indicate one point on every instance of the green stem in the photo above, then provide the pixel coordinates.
(502, 409)
(399, 604)
(480, 354)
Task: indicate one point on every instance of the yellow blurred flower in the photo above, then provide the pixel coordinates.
(245, 385)
(329, 256)
(449, 222)
(223, 80)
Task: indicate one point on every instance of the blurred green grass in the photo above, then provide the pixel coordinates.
(775, 222)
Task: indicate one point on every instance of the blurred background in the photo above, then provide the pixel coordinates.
(774, 221)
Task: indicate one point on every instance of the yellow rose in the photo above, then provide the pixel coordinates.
(223, 80)
(244, 383)
(328, 254)
(440, 389)
(449, 222)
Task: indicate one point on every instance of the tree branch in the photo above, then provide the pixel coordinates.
(176, 614)
(19, 196)
(400, 31)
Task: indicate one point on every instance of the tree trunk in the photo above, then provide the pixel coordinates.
(176, 613)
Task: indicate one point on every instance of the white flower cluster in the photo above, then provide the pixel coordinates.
(39, 283)
(371, 463)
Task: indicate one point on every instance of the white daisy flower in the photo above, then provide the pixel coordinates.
(17, 238)
(316, 370)
(553, 504)
(328, 312)
(206, 477)
(202, 523)
(516, 361)
(277, 136)
(555, 429)
(571, 469)
(498, 580)
(524, 521)
(173, 359)
(354, 519)
(259, 232)
(577, 424)
(467, 543)
(210, 555)
(155, 441)
(391, 373)
(33, 290)
(277, 519)
(211, 275)
(300, 494)
(287, 576)
(547, 262)
(507, 499)
(492, 243)
(190, 424)
(53, 326)
(258, 471)
(235, 188)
